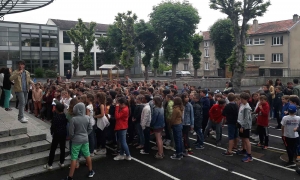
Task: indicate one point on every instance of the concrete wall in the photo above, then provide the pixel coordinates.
(294, 46)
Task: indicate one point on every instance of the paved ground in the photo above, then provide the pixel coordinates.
(203, 164)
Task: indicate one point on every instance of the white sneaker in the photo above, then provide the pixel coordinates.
(61, 165)
(81, 159)
(155, 148)
(68, 157)
(119, 157)
(23, 120)
(256, 139)
(128, 158)
(92, 154)
(47, 167)
(194, 134)
(101, 152)
(213, 136)
(212, 132)
(168, 142)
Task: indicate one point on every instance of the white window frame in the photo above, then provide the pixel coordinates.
(206, 52)
(249, 57)
(249, 41)
(277, 58)
(206, 66)
(277, 40)
(187, 67)
(258, 57)
(206, 43)
(258, 41)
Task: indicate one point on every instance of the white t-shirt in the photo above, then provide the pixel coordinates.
(91, 108)
(290, 123)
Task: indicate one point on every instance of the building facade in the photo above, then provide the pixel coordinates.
(36, 44)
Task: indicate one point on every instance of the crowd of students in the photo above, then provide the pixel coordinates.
(122, 113)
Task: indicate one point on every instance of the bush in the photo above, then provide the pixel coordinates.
(50, 74)
(39, 72)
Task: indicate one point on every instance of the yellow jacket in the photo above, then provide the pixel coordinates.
(16, 77)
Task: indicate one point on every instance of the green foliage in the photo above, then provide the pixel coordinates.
(72, 35)
(221, 36)
(175, 22)
(156, 59)
(50, 74)
(39, 72)
(115, 38)
(125, 22)
(163, 67)
(104, 43)
(196, 53)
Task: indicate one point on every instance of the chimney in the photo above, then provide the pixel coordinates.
(255, 25)
(295, 18)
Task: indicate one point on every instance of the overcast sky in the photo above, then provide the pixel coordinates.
(104, 11)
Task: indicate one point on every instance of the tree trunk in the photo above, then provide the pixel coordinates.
(155, 72)
(74, 73)
(174, 71)
(127, 71)
(195, 73)
(146, 73)
(88, 72)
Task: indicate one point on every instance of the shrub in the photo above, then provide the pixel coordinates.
(50, 74)
(39, 72)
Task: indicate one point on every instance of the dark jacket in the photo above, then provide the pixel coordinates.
(198, 114)
(288, 91)
(231, 112)
(277, 102)
(157, 118)
(211, 103)
(269, 96)
(205, 107)
(68, 76)
(138, 112)
(6, 82)
(59, 125)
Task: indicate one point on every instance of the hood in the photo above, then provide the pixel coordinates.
(79, 109)
(247, 106)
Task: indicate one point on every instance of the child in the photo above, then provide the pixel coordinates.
(277, 105)
(198, 117)
(176, 124)
(37, 96)
(263, 122)
(90, 113)
(80, 127)
(145, 123)
(211, 98)
(137, 121)
(205, 107)
(215, 119)
(188, 121)
(59, 132)
(244, 125)
(231, 112)
(168, 115)
(294, 100)
(289, 127)
(284, 109)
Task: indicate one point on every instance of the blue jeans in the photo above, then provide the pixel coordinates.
(200, 137)
(232, 131)
(92, 141)
(139, 130)
(218, 130)
(177, 133)
(147, 139)
(22, 96)
(121, 135)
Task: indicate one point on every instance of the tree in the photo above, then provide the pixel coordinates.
(196, 53)
(72, 35)
(115, 39)
(86, 38)
(147, 41)
(175, 22)
(221, 36)
(156, 62)
(239, 10)
(109, 54)
(125, 22)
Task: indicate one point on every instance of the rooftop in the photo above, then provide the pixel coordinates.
(272, 27)
(67, 25)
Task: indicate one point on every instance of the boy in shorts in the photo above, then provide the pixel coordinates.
(244, 124)
(80, 127)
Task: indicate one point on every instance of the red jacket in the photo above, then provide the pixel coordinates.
(121, 116)
(263, 115)
(215, 113)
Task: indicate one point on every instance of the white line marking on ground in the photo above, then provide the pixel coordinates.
(269, 134)
(266, 162)
(215, 165)
(149, 166)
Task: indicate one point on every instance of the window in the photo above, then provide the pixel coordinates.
(67, 55)
(206, 52)
(277, 40)
(259, 57)
(249, 41)
(249, 57)
(185, 67)
(206, 66)
(9, 37)
(276, 72)
(206, 43)
(259, 41)
(277, 58)
(50, 60)
(66, 38)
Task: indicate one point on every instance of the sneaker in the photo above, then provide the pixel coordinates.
(189, 151)
(91, 174)
(290, 164)
(265, 147)
(119, 157)
(256, 139)
(101, 152)
(185, 154)
(259, 145)
(227, 153)
(154, 148)
(194, 134)
(241, 152)
(68, 178)
(47, 167)
(212, 133)
(298, 159)
(168, 147)
(164, 141)
(175, 157)
(168, 142)
(143, 152)
(253, 136)
(128, 158)
(92, 154)
(199, 147)
(247, 159)
(158, 156)
(23, 120)
(61, 165)
(68, 157)
(234, 149)
(213, 136)
(140, 147)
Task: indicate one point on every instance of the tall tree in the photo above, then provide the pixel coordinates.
(109, 54)
(221, 36)
(156, 62)
(239, 10)
(75, 62)
(196, 53)
(86, 38)
(115, 39)
(125, 22)
(147, 41)
(176, 23)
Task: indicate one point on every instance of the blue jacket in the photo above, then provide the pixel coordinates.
(157, 118)
(285, 107)
(205, 107)
(188, 116)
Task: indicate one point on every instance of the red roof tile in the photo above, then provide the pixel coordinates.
(206, 35)
(271, 27)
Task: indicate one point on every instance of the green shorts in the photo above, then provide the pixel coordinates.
(76, 148)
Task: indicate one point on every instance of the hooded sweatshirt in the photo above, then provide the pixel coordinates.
(244, 117)
(263, 115)
(80, 125)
